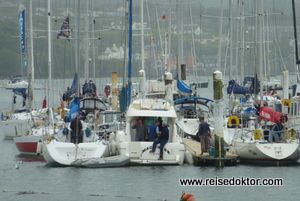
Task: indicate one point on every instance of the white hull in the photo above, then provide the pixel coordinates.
(15, 128)
(269, 153)
(66, 153)
(22, 84)
(138, 153)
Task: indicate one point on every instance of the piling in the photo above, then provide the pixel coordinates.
(114, 87)
(218, 118)
(142, 84)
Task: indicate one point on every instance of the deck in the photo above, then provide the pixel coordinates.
(194, 147)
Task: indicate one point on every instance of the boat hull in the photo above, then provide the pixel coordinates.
(139, 153)
(65, 153)
(15, 128)
(269, 153)
(29, 145)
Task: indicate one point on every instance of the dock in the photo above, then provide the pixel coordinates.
(194, 147)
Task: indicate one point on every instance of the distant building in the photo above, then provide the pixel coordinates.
(112, 53)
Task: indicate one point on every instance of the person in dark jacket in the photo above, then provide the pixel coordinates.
(162, 139)
(76, 127)
(204, 134)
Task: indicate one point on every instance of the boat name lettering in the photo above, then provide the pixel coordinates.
(267, 115)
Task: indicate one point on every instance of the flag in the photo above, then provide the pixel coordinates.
(65, 29)
(163, 17)
(22, 35)
(44, 105)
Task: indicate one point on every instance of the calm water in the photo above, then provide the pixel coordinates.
(129, 183)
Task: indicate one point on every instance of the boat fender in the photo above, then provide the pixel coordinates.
(113, 147)
(286, 102)
(109, 147)
(235, 119)
(88, 132)
(187, 197)
(290, 134)
(111, 137)
(188, 158)
(39, 148)
(65, 131)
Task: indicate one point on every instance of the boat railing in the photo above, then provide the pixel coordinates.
(283, 135)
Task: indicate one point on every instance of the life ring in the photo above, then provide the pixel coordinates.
(286, 102)
(231, 119)
(290, 134)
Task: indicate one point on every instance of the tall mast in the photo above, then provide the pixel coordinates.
(296, 41)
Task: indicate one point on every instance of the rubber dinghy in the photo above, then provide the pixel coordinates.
(111, 161)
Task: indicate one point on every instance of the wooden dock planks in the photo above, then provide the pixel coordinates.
(194, 147)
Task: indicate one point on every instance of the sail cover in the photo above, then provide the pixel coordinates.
(69, 94)
(271, 115)
(183, 87)
(233, 87)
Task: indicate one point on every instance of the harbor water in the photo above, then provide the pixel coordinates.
(35, 181)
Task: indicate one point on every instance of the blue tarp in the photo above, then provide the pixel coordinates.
(233, 87)
(74, 109)
(20, 91)
(183, 87)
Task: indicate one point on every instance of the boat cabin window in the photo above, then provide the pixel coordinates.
(93, 104)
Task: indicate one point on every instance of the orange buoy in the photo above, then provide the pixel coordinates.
(187, 197)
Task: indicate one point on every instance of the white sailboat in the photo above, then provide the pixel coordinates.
(97, 131)
(255, 143)
(19, 122)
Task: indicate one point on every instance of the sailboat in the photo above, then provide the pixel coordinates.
(18, 122)
(98, 124)
(275, 142)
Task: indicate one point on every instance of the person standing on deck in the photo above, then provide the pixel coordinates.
(76, 127)
(204, 134)
(141, 130)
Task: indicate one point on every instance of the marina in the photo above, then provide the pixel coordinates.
(154, 130)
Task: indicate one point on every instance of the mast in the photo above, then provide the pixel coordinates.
(50, 91)
(50, 97)
(31, 63)
(129, 54)
(231, 39)
(86, 43)
(296, 41)
(77, 44)
(220, 36)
